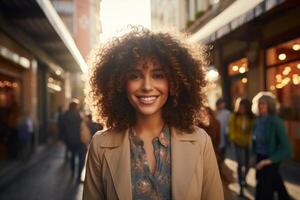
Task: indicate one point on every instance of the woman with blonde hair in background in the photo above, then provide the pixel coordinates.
(270, 145)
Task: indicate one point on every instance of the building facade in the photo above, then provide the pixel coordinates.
(82, 18)
(178, 14)
(256, 47)
(36, 55)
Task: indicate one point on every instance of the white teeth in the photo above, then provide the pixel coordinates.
(147, 100)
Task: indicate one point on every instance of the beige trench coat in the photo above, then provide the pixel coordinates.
(195, 173)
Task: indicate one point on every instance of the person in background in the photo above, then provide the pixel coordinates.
(88, 129)
(270, 145)
(240, 134)
(25, 133)
(211, 125)
(149, 88)
(93, 126)
(71, 126)
(59, 122)
(223, 115)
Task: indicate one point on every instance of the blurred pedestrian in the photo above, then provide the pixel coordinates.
(25, 133)
(71, 126)
(149, 87)
(240, 134)
(93, 126)
(223, 115)
(271, 146)
(211, 125)
(59, 122)
(88, 129)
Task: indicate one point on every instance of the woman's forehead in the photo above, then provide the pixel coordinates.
(262, 101)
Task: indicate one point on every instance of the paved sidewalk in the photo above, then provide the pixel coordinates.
(47, 178)
(290, 171)
(10, 169)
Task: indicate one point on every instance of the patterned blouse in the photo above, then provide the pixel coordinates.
(146, 185)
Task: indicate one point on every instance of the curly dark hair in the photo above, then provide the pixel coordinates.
(182, 63)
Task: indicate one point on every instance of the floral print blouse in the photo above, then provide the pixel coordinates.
(146, 185)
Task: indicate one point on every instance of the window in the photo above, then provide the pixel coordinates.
(237, 72)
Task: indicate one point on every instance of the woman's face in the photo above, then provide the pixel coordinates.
(262, 108)
(147, 88)
(242, 109)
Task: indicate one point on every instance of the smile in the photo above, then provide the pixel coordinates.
(147, 99)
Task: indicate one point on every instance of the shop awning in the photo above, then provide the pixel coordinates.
(36, 25)
(237, 14)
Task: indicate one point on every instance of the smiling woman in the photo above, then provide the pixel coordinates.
(149, 88)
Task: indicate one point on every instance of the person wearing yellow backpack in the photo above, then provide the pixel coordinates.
(240, 128)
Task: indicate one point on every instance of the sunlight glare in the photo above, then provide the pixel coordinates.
(116, 15)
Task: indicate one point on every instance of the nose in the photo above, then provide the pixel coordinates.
(147, 84)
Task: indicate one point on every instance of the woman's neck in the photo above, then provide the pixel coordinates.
(148, 126)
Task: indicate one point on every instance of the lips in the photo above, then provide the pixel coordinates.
(147, 99)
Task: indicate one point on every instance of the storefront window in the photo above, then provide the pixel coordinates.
(9, 114)
(237, 71)
(284, 82)
(283, 79)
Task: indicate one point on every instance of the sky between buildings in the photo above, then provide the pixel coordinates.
(116, 15)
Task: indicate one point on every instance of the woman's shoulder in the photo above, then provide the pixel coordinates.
(202, 138)
(275, 119)
(200, 132)
(108, 138)
(198, 135)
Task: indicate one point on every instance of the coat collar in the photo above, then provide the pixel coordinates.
(116, 138)
(184, 149)
(117, 156)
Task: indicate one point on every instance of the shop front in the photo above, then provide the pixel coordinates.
(262, 53)
(56, 103)
(237, 72)
(283, 79)
(36, 50)
(15, 70)
(10, 98)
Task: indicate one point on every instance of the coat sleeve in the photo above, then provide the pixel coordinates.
(93, 184)
(212, 185)
(283, 147)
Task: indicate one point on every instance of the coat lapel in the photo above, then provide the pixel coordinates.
(184, 158)
(118, 158)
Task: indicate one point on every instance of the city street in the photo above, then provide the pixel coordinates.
(48, 179)
(289, 171)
